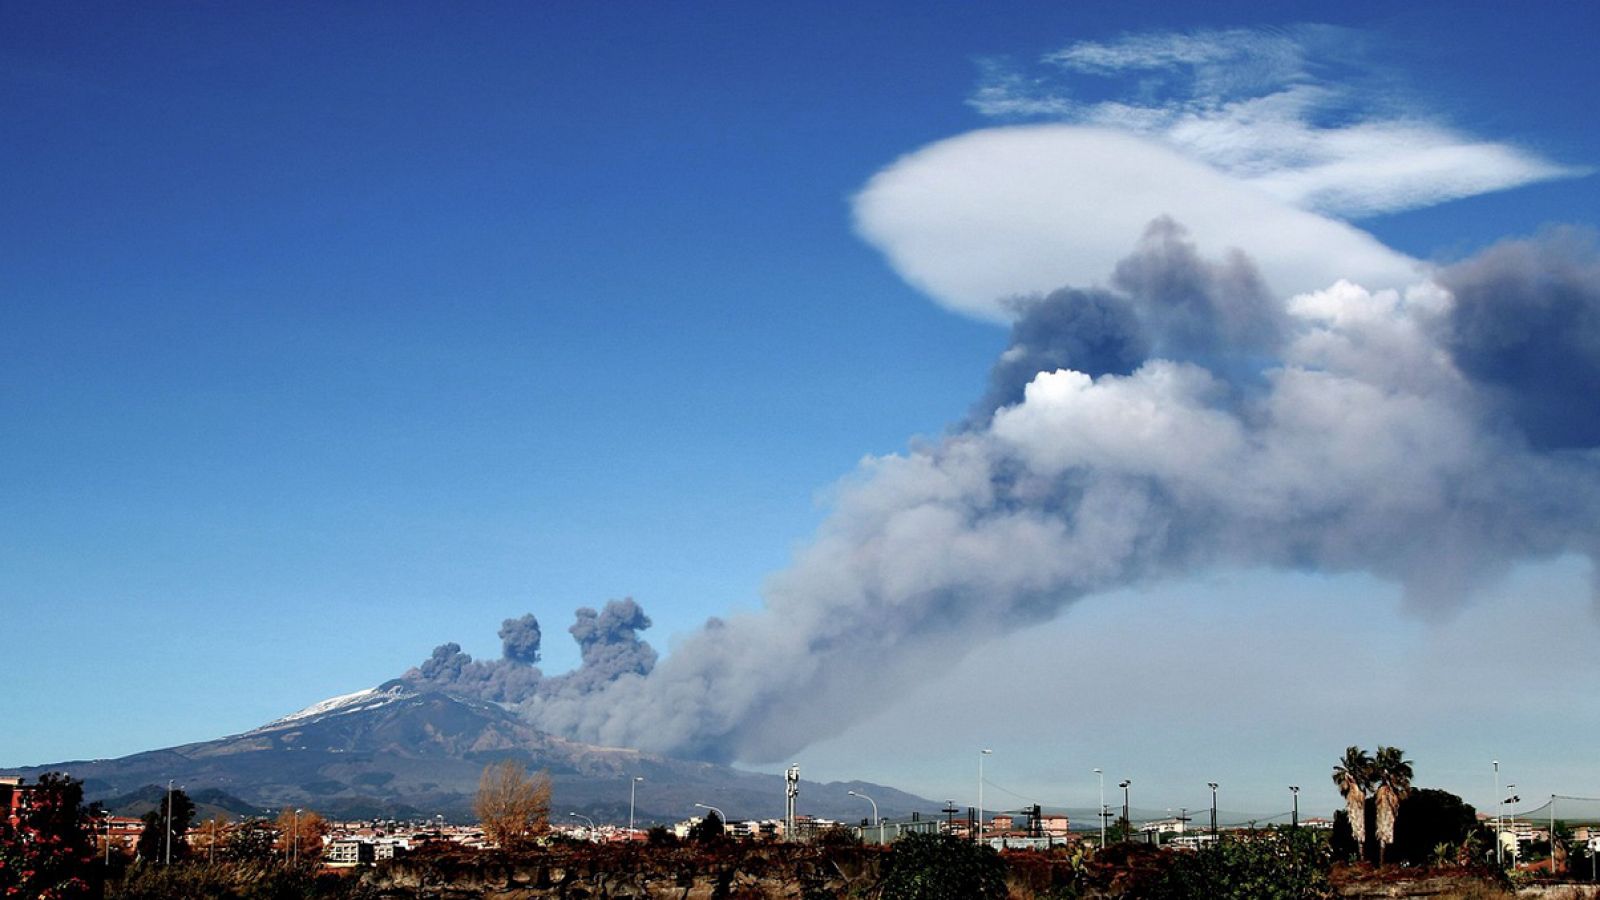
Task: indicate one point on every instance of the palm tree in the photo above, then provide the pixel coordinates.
(1352, 776)
(1391, 772)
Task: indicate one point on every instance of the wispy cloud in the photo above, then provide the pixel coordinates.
(1304, 114)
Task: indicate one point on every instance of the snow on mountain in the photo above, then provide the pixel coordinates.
(371, 698)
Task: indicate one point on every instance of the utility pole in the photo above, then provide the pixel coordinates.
(978, 833)
(1102, 774)
(1213, 786)
(1499, 807)
(167, 854)
(631, 785)
(1127, 818)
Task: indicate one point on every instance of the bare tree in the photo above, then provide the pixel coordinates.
(513, 806)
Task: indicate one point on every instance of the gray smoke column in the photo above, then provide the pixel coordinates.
(453, 671)
(519, 639)
(608, 639)
(611, 648)
(1342, 430)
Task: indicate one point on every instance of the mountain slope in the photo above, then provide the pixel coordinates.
(396, 751)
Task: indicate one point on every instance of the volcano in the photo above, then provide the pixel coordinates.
(396, 751)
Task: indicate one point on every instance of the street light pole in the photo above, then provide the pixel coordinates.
(1499, 807)
(724, 819)
(167, 854)
(1102, 774)
(869, 800)
(592, 829)
(631, 785)
(1294, 817)
(1510, 799)
(1127, 816)
(1213, 786)
(108, 837)
(297, 837)
(978, 826)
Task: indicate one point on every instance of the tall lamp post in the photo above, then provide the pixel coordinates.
(1499, 807)
(631, 785)
(1213, 786)
(1102, 774)
(592, 829)
(720, 817)
(108, 837)
(167, 854)
(297, 836)
(978, 826)
(1127, 815)
(1510, 813)
(1294, 817)
(869, 800)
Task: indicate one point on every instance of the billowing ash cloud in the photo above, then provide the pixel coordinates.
(500, 681)
(611, 648)
(519, 639)
(1181, 419)
(1168, 302)
(609, 641)
(1526, 325)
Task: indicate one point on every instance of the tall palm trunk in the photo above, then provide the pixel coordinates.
(1388, 803)
(1355, 806)
(1392, 773)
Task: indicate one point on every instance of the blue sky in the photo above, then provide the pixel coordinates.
(330, 334)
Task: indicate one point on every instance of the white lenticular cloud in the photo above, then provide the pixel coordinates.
(979, 218)
(1307, 114)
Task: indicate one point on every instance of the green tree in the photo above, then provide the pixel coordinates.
(175, 810)
(1281, 864)
(708, 830)
(1352, 775)
(252, 840)
(941, 867)
(1428, 818)
(48, 853)
(1391, 773)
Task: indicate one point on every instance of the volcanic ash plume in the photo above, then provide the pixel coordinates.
(1180, 420)
(608, 639)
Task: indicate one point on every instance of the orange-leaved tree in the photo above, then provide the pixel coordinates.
(300, 833)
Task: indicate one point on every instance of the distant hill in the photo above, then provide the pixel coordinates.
(394, 751)
(208, 802)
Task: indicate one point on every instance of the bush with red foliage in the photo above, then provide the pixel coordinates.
(48, 854)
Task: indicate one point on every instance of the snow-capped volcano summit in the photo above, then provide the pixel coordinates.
(357, 701)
